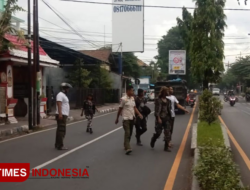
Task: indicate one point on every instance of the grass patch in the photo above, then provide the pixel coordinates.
(210, 134)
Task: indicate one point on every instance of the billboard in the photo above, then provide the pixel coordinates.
(177, 62)
(128, 25)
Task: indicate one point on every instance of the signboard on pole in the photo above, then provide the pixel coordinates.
(177, 62)
(128, 25)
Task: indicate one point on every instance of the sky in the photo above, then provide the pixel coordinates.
(93, 25)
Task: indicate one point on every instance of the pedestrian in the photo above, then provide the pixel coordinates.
(89, 111)
(128, 109)
(162, 118)
(141, 124)
(174, 102)
(62, 113)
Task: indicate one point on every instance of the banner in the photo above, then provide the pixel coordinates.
(128, 25)
(177, 62)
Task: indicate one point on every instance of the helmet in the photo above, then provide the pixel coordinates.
(192, 90)
(66, 85)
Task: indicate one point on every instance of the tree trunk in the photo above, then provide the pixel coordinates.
(205, 84)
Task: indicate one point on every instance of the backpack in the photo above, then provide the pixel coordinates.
(146, 110)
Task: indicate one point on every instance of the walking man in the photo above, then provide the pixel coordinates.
(62, 113)
(141, 124)
(174, 102)
(128, 110)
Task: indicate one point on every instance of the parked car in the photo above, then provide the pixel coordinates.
(216, 91)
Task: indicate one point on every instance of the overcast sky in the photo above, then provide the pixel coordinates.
(91, 20)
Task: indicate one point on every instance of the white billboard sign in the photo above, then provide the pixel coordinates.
(128, 25)
(177, 62)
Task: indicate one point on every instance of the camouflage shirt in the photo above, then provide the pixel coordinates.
(162, 109)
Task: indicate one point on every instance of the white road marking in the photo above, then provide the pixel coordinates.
(34, 133)
(75, 149)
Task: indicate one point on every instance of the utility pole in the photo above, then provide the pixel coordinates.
(39, 76)
(34, 64)
(120, 67)
(29, 69)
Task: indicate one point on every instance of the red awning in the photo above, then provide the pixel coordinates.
(21, 50)
(20, 44)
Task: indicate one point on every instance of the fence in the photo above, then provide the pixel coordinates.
(77, 96)
(101, 96)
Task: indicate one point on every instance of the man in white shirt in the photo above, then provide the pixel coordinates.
(128, 110)
(174, 102)
(62, 113)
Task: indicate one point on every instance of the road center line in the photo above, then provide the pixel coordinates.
(75, 149)
(34, 133)
(173, 172)
(236, 144)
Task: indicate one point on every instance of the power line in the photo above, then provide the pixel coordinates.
(149, 6)
(66, 23)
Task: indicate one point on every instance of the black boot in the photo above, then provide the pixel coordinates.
(166, 147)
(138, 140)
(87, 129)
(153, 140)
(90, 130)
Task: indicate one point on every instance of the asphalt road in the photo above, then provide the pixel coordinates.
(237, 119)
(103, 155)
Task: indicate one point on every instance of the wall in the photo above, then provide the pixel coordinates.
(54, 77)
(116, 80)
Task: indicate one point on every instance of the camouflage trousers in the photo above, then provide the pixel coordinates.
(165, 126)
(60, 131)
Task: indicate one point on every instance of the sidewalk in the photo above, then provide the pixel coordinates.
(22, 125)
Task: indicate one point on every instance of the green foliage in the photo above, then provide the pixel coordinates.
(239, 72)
(11, 8)
(207, 133)
(79, 76)
(216, 170)
(171, 41)
(209, 107)
(207, 46)
(130, 66)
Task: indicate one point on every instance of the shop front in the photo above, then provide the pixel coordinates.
(14, 85)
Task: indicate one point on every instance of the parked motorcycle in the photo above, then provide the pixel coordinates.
(232, 100)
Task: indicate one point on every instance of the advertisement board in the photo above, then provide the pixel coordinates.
(177, 62)
(128, 25)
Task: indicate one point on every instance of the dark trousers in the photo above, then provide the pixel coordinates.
(172, 126)
(128, 128)
(60, 131)
(141, 127)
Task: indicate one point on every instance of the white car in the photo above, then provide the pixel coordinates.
(151, 95)
(216, 91)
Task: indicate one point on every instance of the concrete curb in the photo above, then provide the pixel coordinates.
(195, 184)
(25, 128)
(16, 130)
(225, 137)
(194, 137)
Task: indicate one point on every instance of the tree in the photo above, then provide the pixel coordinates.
(100, 78)
(11, 8)
(79, 76)
(185, 27)
(207, 46)
(130, 65)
